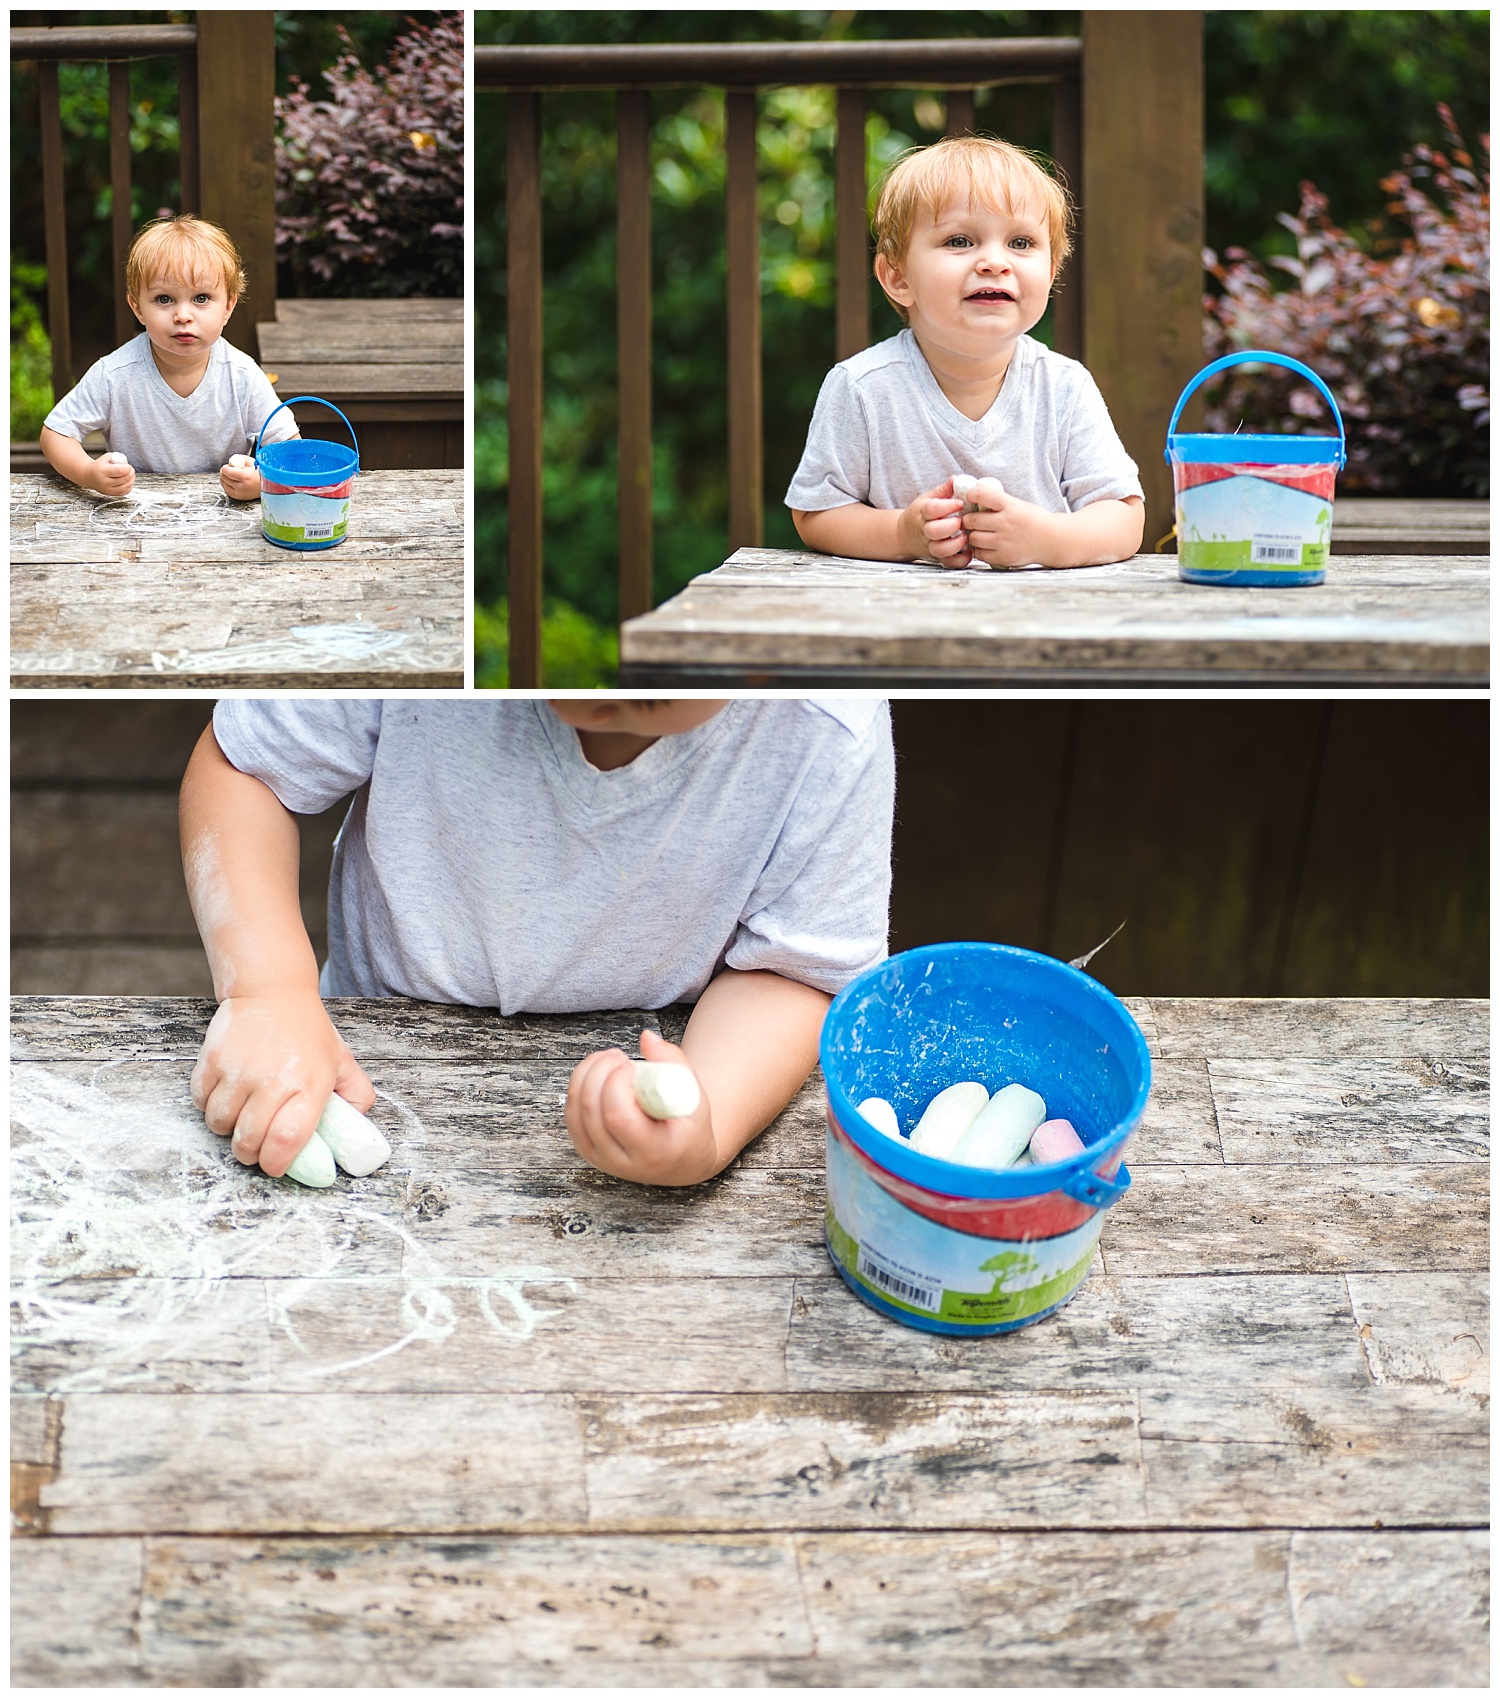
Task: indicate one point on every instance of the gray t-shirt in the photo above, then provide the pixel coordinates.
(158, 430)
(485, 861)
(883, 432)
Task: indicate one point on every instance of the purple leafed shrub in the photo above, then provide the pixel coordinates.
(369, 183)
(1401, 335)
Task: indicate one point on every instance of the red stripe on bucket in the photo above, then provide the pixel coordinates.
(1311, 480)
(328, 491)
(1046, 1215)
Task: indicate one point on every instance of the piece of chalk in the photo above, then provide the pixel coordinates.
(947, 1117)
(1003, 1130)
(1055, 1140)
(313, 1164)
(964, 487)
(881, 1116)
(357, 1144)
(666, 1090)
(241, 460)
(115, 460)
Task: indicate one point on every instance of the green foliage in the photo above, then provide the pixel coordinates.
(30, 352)
(577, 652)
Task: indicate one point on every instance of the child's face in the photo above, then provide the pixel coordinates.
(975, 278)
(183, 317)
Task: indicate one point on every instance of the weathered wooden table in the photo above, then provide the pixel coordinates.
(174, 585)
(491, 1418)
(793, 619)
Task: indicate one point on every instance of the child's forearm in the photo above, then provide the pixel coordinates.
(856, 531)
(752, 1040)
(1101, 533)
(240, 851)
(67, 455)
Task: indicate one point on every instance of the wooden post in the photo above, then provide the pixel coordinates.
(119, 194)
(1067, 155)
(742, 263)
(523, 281)
(852, 228)
(187, 130)
(633, 305)
(959, 116)
(237, 151)
(1143, 195)
(55, 216)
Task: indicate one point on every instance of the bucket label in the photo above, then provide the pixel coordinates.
(303, 518)
(1242, 521)
(922, 1266)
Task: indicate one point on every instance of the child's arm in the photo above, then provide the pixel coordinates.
(752, 1040)
(239, 479)
(108, 475)
(927, 529)
(1007, 531)
(271, 1057)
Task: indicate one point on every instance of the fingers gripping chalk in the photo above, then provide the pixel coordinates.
(115, 460)
(1002, 1131)
(242, 462)
(948, 1117)
(344, 1136)
(666, 1090)
(881, 1116)
(964, 487)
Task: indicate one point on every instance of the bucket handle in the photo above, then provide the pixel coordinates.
(1249, 356)
(322, 403)
(1085, 1186)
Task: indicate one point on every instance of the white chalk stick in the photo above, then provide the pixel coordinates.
(115, 460)
(964, 487)
(666, 1090)
(881, 1116)
(1000, 1133)
(313, 1165)
(947, 1117)
(358, 1145)
(243, 461)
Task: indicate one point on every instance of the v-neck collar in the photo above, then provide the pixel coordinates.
(953, 419)
(622, 784)
(213, 354)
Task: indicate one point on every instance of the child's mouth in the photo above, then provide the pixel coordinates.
(991, 295)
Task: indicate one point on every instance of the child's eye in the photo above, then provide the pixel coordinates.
(1023, 242)
(958, 242)
(201, 299)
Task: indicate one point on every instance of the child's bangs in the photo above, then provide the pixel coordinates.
(185, 250)
(973, 168)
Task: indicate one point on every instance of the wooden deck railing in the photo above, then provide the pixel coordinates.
(226, 129)
(525, 73)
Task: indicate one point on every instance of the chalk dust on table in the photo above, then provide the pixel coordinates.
(175, 514)
(182, 1248)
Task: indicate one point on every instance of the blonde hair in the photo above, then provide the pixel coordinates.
(993, 172)
(183, 247)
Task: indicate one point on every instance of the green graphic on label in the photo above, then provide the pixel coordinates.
(1241, 523)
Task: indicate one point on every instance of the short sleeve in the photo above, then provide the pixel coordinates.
(835, 466)
(820, 911)
(309, 753)
(1095, 466)
(85, 407)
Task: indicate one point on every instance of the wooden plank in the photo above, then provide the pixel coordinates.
(422, 378)
(55, 227)
(523, 269)
(410, 309)
(1280, 1028)
(119, 194)
(633, 340)
(1301, 1219)
(363, 339)
(742, 287)
(76, 1612)
(237, 149)
(73, 967)
(1397, 617)
(1143, 186)
(1427, 1329)
(852, 228)
(79, 741)
(1067, 157)
(1379, 524)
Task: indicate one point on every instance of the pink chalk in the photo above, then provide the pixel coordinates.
(1055, 1140)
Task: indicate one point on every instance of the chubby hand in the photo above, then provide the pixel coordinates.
(612, 1131)
(113, 475)
(240, 480)
(931, 528)
(1007, 531)
(268, 1066)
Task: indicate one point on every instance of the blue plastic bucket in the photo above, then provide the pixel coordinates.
(965, 1250)
(1254, 510)
(306, 485)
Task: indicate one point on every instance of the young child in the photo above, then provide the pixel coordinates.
(970, 234)
(176, 398)
(547, 858)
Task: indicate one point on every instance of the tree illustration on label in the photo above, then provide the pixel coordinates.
(1009, 1264)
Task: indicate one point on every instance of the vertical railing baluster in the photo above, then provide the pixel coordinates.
(54, 212)
(960, 112)
(742, 265)
(1067, 152)
(119, 191)
(851, 199)
(633, 304)
(523, 259)
(187, 130)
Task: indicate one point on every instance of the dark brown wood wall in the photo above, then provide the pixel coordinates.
(1254, 848)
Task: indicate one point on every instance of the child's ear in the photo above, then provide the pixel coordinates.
(130, 302)
(892, 279)
(234, 301)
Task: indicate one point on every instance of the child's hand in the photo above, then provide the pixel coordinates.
(613, 1132)
(931, 528)
(1007, 531)
(240, 480)
(268, 1066)
(113, 475)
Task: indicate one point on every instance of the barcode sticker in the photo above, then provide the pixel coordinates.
(900, 1285)
(318, 530)
(1276, 550)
